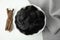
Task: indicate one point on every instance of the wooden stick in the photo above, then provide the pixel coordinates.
(9, 20)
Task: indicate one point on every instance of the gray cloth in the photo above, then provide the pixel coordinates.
(48, 36)
(52, 10)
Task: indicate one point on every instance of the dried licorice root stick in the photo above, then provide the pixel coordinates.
(9, 20)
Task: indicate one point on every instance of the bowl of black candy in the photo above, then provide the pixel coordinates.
(30, 20)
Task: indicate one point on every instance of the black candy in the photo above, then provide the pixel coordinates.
(29, 20)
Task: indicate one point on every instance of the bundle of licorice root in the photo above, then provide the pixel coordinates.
(9, 21)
